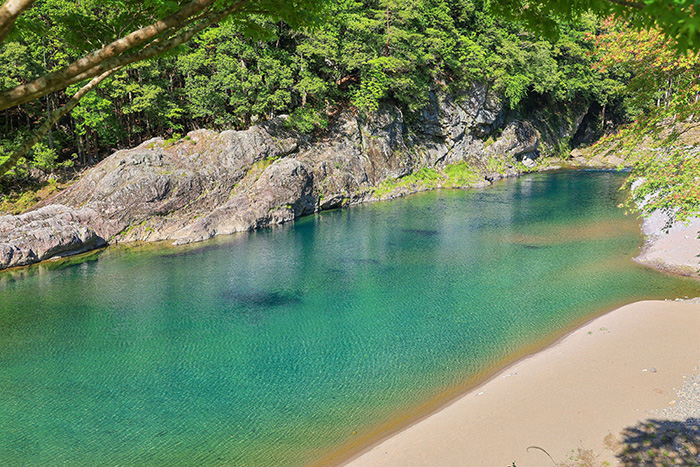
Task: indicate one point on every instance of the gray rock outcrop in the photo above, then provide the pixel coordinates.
(210, 183)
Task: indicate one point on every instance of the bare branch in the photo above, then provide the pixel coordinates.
(50, 120)
(9, 12)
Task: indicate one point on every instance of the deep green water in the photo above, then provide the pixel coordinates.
(272, 348)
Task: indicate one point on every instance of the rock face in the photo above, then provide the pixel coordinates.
(211, 183)
(518, 140)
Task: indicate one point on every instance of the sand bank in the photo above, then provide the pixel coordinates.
(581, 393)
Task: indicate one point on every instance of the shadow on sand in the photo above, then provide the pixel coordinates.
(661, 443)
(653, 443)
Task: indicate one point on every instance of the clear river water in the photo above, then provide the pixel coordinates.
(283, 346)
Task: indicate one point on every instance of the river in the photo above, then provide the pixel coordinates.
(282, 346)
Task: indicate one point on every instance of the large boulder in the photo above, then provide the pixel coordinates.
(283, 192)
(48, 232)
(159, 187)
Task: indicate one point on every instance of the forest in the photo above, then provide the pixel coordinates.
(234, 74)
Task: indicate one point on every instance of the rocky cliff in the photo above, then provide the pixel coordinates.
(209, 183)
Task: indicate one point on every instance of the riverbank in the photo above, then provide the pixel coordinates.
(671, 248)
(575, 399)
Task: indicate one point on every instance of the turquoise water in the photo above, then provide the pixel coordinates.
(277, 347)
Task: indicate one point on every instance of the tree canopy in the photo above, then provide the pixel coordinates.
(241, 61)
(676, 19)
(100, 37)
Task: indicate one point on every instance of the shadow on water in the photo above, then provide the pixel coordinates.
(527, 246)
(661, 442)
(259, 300)
(370, 261)
(422, 232)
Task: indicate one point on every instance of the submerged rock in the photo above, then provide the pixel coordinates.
(258, 300)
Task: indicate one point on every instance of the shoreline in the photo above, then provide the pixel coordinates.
(349, 452)
(64, 252)
(436, 436)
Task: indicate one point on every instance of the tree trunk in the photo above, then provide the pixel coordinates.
(388, 33)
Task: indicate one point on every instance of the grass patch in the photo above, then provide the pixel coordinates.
(461, 174)
(424, 178)
(496, 165)
(261, 165)
(455, 175)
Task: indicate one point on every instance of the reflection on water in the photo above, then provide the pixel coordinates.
(277, 347)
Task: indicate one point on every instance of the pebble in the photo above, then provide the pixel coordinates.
(687, 406)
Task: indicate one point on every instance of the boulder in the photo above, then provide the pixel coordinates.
(48, 232)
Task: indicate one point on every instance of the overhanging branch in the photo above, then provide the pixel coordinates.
(50, 120)
(57, 80)
(9, 12)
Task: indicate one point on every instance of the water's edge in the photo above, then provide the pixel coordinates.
(664, 265)
(351, 451)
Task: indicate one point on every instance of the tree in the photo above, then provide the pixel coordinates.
(676, 19)
(157, 26)
(364, 51)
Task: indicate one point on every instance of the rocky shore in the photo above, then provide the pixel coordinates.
(210, 183)
(671, 247)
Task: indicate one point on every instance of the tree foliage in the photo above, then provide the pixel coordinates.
(258, 64)
(675, 19)
(662, 95)
(93, 39)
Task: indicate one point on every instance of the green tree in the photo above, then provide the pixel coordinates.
(676, 19)
(110, 35)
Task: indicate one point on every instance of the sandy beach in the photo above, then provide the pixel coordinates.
(589, 397)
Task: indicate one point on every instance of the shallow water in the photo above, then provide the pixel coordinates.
(276, 347)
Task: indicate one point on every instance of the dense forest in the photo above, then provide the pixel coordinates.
(362, 53)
